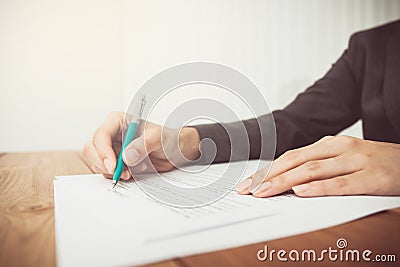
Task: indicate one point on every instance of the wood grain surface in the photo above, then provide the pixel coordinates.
(27, 236)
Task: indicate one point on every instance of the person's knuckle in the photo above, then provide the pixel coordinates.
(259, 173)
(312, 166)
(148, 146)
(338, 186)
(114, 117)
(347, 140)
(291, 155)
(319, 187)
(148, 142)
(341, 183)
(115, 114)
(97, 135)
(280, 181)
(312, 170)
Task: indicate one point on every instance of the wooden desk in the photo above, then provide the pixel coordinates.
(27, 236)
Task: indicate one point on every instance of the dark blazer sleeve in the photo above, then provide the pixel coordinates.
(332, 104)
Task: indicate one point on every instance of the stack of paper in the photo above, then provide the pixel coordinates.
(97, 226)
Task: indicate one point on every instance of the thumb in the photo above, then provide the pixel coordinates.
(138, 150)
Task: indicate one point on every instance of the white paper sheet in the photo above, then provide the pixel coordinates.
(98, 227)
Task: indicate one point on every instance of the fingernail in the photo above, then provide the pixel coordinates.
(300, 188)
(264, 187)
(109, 166)
(244, 185)
(131, 156)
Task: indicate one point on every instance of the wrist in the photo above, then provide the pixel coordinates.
(189, 142)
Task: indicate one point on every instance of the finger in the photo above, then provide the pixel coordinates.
(90, 153)
(258, 178)
(125, 174)
(96, 169)
(243, 187)
(145, 166)
(325, 148)
(141, 167)
(95, 165)
(114, 124)
(350, 184)
(307, 172)
(253, 182)
(247, 186)
(103, 138)
(160, 165)
(116, 147)
(287, 161)
(107, 175)
(140, 148)
(103, 145)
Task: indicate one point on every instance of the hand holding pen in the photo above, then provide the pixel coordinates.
(129, 135)
(105, 146)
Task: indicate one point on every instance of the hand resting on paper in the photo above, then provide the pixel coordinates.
(151, 146)
(339, 165)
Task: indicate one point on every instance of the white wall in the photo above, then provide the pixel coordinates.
(64, 64)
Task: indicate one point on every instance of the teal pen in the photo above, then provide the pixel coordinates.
(130, 134)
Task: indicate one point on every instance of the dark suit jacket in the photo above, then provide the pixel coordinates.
(363, 84)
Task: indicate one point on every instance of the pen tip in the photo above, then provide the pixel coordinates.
(114, 184)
